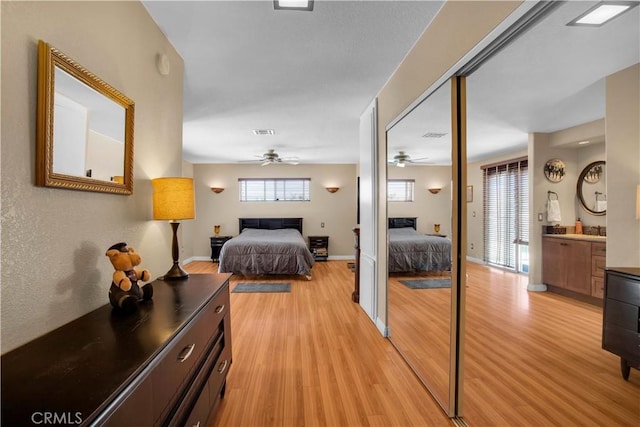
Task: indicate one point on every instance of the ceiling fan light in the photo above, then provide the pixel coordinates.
(400, 164)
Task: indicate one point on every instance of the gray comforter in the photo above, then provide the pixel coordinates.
(257, 251)
(410, 251)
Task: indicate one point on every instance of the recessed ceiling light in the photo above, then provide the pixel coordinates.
(583, 142)
(602, 13)
(264, 132)
(293, 5)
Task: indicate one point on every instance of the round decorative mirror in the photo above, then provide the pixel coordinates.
(592, 188)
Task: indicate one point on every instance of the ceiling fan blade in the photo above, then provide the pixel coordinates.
(291, 160)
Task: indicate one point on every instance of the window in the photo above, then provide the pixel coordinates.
(274, 190)
(400, 190)
(506, 214)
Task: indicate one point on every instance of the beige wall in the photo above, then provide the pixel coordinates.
(337, 210)
(455, 31)
(53, 241)
(623, 167)
(428, 208)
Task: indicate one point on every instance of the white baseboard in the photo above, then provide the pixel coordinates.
(196, 258)
(382, 327)
(537, 287)
(341, 258)
(476, 260)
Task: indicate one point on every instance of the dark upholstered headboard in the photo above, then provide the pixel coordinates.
(271, 223)
(403, 222)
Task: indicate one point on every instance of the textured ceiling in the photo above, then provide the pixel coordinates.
(306, 75)
(310, 75)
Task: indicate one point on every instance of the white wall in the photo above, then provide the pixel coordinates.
(53, 241)
(337, 211)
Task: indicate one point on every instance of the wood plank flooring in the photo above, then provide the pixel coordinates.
(536, 358)
(312, 357)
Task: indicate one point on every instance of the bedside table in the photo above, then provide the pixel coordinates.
(319, 247)
(216, 246)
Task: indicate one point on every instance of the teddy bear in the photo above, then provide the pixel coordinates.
(125, 293)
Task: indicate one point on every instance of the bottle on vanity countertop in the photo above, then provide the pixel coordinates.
(578, 226)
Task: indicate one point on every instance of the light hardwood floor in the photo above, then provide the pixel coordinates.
(312, 357)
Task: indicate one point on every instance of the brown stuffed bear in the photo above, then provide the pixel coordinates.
(125, 293)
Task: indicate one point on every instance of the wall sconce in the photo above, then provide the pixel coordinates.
(434, 190)
(332, 189)
(217, 190)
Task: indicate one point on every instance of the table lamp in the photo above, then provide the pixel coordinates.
(173, 200)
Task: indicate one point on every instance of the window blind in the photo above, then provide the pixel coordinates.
(506, 212)
(400, 190)
(272, 190)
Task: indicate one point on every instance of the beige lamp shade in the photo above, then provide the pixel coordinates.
(173, 198)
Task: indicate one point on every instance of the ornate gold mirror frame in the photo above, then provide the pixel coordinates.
(119, 175)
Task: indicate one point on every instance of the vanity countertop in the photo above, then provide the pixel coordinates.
(586, 237)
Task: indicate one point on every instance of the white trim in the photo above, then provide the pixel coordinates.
(476, 260)
(196, 258)
(537, 287)
(382, 327)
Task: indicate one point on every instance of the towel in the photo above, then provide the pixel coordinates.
(553, 211)
(601, 205)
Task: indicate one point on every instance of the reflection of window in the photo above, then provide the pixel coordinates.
(272, 190)
(506, 214)
(400, 190)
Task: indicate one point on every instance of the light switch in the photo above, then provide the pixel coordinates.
(539, 217)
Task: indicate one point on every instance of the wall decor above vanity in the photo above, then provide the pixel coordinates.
(554, 170)
(84, 132)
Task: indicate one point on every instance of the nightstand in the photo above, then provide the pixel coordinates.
(319, 247)
(216, 246)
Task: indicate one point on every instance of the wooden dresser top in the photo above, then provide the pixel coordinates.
(81, 366)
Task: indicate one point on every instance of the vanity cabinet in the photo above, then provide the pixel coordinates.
(566, 264)
(166, 364)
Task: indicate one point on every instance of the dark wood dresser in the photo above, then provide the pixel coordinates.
(164, 365)
(621, 321)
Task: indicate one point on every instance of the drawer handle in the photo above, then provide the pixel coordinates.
(223, 366)
(197, 425)
(186, 352)
(219, 308)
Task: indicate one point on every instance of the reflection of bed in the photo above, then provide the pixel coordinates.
(267, 246)
(410, 251)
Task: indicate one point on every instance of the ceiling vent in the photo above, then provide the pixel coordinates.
(433, 135)
(264, 132)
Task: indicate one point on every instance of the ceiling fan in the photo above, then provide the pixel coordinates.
(402, 159)
(271, 157)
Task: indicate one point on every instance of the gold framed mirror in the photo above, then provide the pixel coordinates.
(84, 131)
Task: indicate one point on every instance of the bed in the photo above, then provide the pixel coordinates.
(410, 251)
(267, 246)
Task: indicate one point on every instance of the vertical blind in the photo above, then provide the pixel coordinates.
(506, 211)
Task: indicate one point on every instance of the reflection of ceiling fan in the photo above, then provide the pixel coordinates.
(271, 157)
(401, 159)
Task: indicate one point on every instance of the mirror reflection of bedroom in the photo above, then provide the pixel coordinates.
(419, 229)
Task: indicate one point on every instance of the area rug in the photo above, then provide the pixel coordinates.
(262, 287)
(427, 283)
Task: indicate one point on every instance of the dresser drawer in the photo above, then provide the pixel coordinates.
(624, 289)
(622, 315)
(599, 249)
(598, 264)
(219, 372)
(178, 365)
(597, 287)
